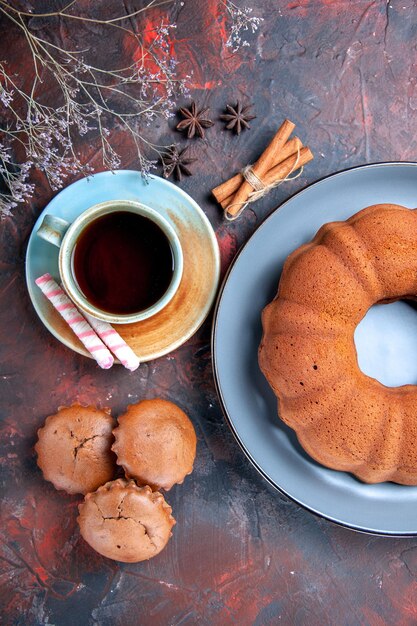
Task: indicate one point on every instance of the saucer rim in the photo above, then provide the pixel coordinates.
(205, 311)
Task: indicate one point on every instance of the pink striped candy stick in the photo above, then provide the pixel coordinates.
(115, 342)
(75, 320)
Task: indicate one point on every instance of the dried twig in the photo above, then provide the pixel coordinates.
(241, 21)
(89, 98)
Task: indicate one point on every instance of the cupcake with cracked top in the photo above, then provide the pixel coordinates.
(155, 443)
(125, 522)
(74, 448)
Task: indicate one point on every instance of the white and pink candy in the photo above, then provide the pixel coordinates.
(92, 332)
(75, 320)
(116, 343)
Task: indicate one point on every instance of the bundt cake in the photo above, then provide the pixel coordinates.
(343, 418)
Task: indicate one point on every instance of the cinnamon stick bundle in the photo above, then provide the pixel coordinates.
(279, 172)
(262, 165)
(228, 188)
(281, 157)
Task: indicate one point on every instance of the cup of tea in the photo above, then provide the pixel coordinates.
(119, 261)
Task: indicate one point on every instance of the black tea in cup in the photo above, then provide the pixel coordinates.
(123, 262)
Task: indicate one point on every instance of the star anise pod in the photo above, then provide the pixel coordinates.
(175, 162)
(194, 121)
(237, 117)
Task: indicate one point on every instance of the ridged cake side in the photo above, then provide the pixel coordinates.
(343, 418)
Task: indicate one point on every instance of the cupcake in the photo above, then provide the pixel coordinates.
(74, 448)
(155, 443)
(125, 522)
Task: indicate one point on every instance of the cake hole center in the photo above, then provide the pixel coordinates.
(386, 343)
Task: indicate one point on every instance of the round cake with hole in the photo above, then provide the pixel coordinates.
(343, 418)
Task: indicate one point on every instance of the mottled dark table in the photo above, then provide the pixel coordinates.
(345, 73)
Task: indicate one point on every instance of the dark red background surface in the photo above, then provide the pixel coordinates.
(345, 73)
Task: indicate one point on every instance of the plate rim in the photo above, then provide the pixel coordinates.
(210, 233)
(339, 523)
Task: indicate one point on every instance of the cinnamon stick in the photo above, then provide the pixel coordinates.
(229, 187)
(262, 165)
(278, 172)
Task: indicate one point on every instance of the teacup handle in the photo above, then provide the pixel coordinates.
(53, 229)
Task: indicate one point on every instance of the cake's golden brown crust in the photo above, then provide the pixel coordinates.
(125, 522)
(155, 443)
(343, 418)
(74, 448)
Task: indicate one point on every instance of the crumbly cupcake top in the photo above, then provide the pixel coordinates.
(74, 448)
(125, 522)
(155, 443)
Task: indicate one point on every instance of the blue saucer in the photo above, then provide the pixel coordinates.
(177, 322)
